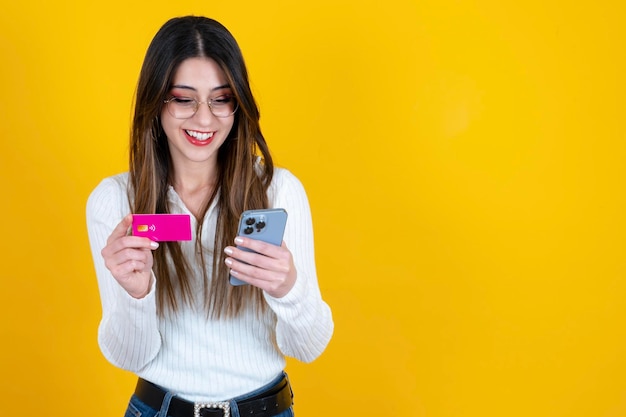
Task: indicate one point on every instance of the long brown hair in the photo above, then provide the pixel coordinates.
(242, 183)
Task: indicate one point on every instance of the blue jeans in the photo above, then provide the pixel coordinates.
(137, 408)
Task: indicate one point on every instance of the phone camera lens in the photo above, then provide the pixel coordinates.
(260, 225)
(248, 230)
(250, 221)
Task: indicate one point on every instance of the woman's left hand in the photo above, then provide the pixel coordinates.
(270, 269)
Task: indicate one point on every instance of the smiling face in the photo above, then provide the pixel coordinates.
(194, 141)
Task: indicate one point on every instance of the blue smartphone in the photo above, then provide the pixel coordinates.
(267, 225)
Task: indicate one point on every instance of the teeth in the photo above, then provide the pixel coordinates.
(198, 135)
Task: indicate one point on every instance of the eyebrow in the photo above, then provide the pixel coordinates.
(187, 87)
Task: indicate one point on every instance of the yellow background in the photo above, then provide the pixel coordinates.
(464, 163)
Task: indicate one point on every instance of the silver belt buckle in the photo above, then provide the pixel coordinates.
(224, 405)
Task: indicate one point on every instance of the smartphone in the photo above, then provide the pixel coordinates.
(267, 225)
(162, 227)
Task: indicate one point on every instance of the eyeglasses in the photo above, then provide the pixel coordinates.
(186, 107)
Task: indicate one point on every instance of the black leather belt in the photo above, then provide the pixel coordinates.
(266, 404)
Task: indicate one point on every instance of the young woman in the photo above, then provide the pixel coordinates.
(199, 345)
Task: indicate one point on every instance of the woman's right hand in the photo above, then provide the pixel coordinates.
(129, 258)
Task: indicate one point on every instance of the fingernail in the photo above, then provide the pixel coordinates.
(228, 251)
(238, 240)
(154, 245)
(228, 262)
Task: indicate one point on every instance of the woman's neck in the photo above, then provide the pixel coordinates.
(194, 188)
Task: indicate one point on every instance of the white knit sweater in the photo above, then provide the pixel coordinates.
(198, 358)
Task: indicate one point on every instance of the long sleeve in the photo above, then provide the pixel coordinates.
(128, 333)
(304, 321)
(199, 358)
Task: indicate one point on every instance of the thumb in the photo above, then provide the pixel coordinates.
(121, 229)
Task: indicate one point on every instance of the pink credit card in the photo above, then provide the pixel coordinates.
(162, 227)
